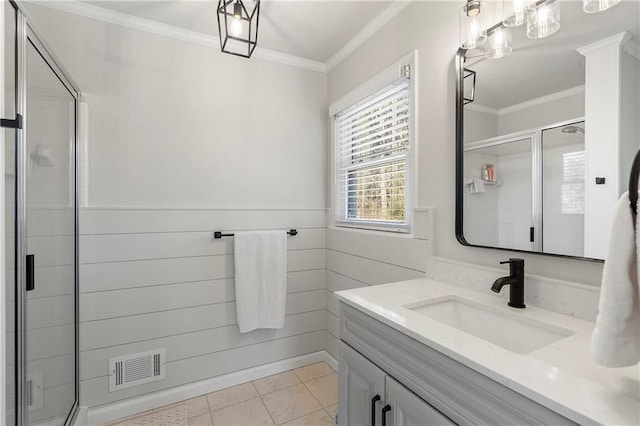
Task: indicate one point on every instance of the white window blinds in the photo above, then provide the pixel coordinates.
(372, 147)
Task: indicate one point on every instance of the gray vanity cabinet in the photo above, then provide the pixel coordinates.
(406, 409)
(367, 394)
(421, 385)
(359, 382)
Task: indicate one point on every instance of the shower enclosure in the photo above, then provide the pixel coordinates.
(537, 200)
(40, 257)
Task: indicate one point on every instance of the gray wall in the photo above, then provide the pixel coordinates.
(551, 112)
(630, 114)
(178, 124)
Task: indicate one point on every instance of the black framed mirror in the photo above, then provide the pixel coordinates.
(545, 136)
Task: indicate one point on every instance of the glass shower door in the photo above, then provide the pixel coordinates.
(50, 243)
(564, 171)
(8, 261)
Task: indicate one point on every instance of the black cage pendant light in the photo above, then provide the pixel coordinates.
(238, 26)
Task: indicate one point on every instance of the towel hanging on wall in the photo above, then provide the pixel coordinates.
(260, 259)
(616, 338)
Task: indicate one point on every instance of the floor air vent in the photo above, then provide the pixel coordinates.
(136, 369)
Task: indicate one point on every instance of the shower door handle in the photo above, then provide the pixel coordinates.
(31, 272)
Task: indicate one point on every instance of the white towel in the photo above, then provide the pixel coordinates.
(616, 338)
(260, 279)
(476, 186)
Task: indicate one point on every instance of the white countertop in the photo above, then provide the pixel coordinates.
(560, 376)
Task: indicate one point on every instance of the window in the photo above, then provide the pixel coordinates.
(372, 146)
(573, 187)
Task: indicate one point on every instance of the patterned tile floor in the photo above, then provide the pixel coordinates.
(304, 396)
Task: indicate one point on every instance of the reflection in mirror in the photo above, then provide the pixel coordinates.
(558, 121)
(498, 199)
(563, 188)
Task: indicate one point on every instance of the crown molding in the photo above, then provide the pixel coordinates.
(615, 40)
(283, 58)
(482, 108)
(364, 34)
(133, 22)
(632, 48)
(542, 100)
(526, 104)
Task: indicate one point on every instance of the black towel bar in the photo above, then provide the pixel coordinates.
(219, 234)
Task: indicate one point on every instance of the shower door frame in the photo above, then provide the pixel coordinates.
(25, 34)
(537, 176)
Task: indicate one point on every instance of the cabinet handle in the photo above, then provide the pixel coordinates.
(384, 414)
(31, 272)
(373, 409)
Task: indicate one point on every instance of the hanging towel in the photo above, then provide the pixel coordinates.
(260, 259)
(616, 338)
(476, 186)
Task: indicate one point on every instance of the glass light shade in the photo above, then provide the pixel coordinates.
(593, 6)
(499, 44)
(516, 12)
(544, 21)
(472, 33)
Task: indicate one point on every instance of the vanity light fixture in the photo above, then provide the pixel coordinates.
(541, 16)
(593, 6)
(499, 44)
(545, 20)
(238, 26)
(516, 12)
(472, 32)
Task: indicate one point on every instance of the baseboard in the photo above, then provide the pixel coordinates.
(143, 403)
(330, 360)
(82, 417)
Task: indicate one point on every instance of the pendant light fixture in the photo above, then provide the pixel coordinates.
(593, 6)
(472, 32)
(238, 26)
(545, 21)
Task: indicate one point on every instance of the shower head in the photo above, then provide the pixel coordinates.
(572, 129)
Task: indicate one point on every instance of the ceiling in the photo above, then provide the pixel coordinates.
(310, 29)
(537, 68)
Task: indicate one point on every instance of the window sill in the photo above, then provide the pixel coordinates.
(401, 233)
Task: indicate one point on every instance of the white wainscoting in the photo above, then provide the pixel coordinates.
(155, 278)
(358, 258)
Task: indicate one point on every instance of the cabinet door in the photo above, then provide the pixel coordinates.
(409, 409)
(360, 382)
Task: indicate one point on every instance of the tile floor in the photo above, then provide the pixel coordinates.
(304, 396)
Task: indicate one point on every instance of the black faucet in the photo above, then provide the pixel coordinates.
(515, 280)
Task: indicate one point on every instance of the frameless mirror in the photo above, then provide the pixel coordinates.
(546, 136)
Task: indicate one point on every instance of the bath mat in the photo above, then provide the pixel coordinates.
(175, 415)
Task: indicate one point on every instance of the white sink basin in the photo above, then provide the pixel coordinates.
(498, 326)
